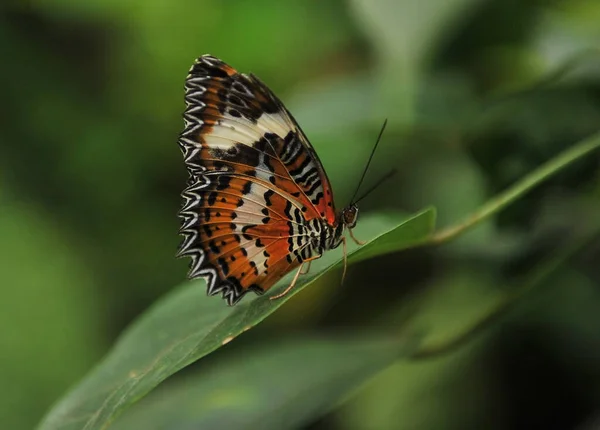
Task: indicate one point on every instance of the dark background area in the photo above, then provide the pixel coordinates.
(477, 94)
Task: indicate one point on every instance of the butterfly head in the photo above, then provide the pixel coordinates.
(349, 216)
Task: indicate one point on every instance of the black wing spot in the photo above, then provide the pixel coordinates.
(248, 155)
(235, 100)
(212, 197)
(268, 196)
(298, 217)
(224, 266)
(288, 208)
(272, 138)
(261, 144)
(213, 247)
(223, 182)
(235, 113)
(247, 187)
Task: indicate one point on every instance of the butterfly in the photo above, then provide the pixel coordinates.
(258, 203)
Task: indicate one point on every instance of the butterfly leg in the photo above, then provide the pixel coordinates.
(345, 258)
(304, 272)
(298, 273)
(358, 242)
(287, 290)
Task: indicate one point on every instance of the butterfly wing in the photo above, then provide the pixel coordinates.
(256, 185)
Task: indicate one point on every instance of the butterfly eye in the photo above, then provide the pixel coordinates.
(350, 216)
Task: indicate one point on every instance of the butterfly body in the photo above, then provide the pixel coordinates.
(258, 202)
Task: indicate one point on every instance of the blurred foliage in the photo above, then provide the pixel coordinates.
(186, 326)
(478, 94)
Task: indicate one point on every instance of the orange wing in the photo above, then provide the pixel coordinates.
(229, 112)
(257, 189)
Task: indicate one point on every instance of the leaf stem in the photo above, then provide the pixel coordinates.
(525, 185)
(533, 281)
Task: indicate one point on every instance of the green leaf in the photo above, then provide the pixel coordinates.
(187, 325)
(246, 390)
(519, 189)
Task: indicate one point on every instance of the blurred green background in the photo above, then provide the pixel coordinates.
(477, 93)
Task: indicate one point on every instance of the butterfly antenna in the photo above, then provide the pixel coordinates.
(369, 162)
(387, 176)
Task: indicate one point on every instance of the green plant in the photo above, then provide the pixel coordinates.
(186, 326)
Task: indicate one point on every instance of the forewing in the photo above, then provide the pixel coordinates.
(255, 183)
(233, 122)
